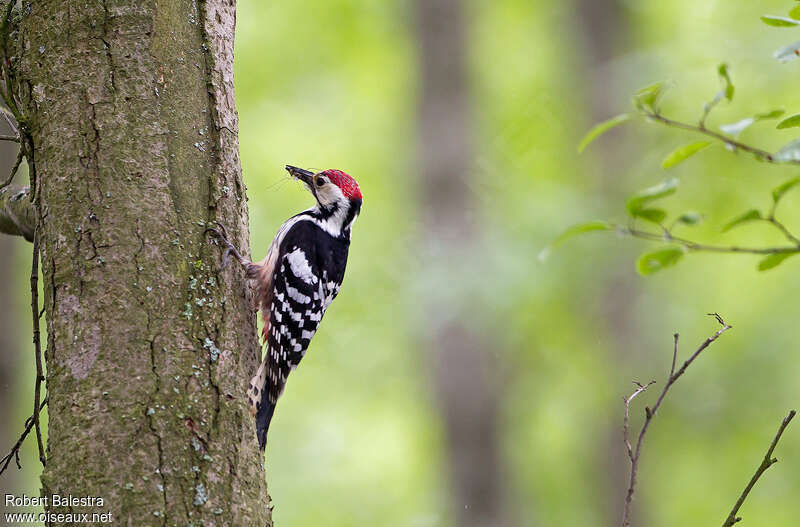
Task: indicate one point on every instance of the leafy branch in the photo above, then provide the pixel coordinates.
(640, 209)
(730, 142)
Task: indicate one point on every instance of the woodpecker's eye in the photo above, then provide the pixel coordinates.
(320, 181)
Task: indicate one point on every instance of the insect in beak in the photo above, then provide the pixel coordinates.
(303, 175)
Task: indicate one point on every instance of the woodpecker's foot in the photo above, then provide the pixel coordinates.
(221, 234)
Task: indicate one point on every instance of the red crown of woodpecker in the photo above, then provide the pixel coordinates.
(346, 183)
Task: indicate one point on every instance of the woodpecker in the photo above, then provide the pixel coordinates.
(297, 281)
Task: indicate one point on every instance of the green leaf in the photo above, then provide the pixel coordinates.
(581, 228)
(683, 153)
(779, 21)
(773, 260)
(774, 114)
(689, 218)
(783, 188)
(653, 215)
(654, 261)
(750, 215)
(601, 128)
(575, 230)
(725, 93)
(788, 53)
(722, 69)
(790, 122)
(638, 201)
(789, 152)
(795, 12)
(647, 97)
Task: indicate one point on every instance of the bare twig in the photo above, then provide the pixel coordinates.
(14, 452)
(767, 462)
(785, 231)
(33, 421)
(7, 93)
(37, 346)
(635, 454)
(631, 397)
(674, 376)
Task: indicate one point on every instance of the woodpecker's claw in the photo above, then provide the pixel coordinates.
(225, 259)
(229, 247)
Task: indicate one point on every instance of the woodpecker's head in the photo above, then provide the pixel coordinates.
(338, 197)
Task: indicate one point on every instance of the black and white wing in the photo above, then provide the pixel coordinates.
(300, 297)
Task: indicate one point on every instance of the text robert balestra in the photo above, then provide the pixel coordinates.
(53, 500)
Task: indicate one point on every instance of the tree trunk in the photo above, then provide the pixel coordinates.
(463, 368)
(129, 108)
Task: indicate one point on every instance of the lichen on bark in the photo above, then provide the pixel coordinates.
(130, 110)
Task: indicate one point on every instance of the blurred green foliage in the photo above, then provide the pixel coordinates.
(357, 439)
(647, 102)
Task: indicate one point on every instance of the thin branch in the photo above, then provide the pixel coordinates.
(674, 377)
(625, 430)
(735, 144)
(14, 223)
(785, 231)
(767, 462)
(37, 347)
(701, 247)
(635, 454)
(33, 422)
(14, 452)
(675, 352)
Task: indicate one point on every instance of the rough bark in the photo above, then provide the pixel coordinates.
(462, 364)
(130, 111)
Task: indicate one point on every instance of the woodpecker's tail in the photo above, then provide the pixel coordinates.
(263, 417)
(260, 406)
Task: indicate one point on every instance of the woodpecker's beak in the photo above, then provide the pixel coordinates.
(303, 175)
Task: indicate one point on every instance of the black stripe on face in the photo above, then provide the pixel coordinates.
(327, 211)
(352, 212)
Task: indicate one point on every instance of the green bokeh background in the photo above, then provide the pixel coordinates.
(357, 438)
